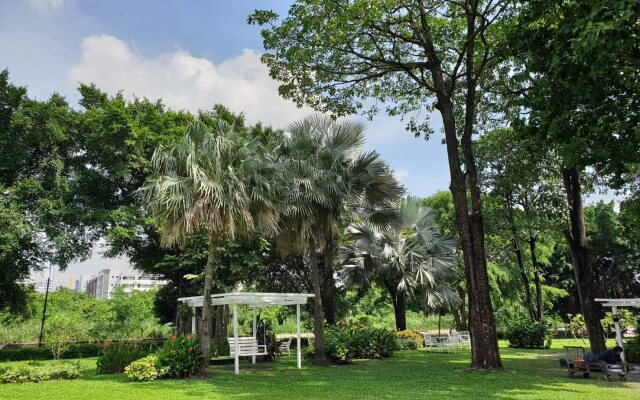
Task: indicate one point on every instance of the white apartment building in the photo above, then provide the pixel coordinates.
(102, 285)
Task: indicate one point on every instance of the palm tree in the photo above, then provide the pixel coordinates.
(349, 178)
(214, 178)
(329, 171)
(416, 260)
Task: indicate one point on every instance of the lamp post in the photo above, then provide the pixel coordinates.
(44, 309)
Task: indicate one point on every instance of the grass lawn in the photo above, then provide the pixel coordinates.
(528, 374)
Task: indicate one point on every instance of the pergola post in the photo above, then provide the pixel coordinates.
(298, 349)
(193, 320)
(253, 358)
(235, 337)
(616, 322)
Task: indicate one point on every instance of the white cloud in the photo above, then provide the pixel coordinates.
(183, 81)
(401, 174)
(45, 5)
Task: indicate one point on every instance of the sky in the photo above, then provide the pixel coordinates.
(191, 54)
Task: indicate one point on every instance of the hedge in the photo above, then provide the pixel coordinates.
(80, 350)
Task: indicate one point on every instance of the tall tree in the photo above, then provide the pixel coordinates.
(355, 180)
(213, 179)
(329, 171)
(581, 63)
(410, 55)
(43, 219)
(522, 179)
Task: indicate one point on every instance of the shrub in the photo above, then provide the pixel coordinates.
(411, 335)
(348, 343)
(181, 356)
(36, 372)
(406, 344)
(79, 350)
(60, 330)
(524, 333)
(632, 350)
(632, 347)
(337, 347)
(116, 356)
(219, 348)
(145, 369)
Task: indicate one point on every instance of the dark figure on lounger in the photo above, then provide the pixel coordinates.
(611, 356)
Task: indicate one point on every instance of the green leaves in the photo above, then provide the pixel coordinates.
(214, 177)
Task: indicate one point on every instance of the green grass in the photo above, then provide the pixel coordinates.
(528, 374)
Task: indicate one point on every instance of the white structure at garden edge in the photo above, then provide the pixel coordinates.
(614, 304)
(253, 300)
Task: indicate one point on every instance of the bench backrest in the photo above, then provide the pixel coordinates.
(247, 346)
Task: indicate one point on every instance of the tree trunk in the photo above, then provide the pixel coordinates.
(525, 278)
(577, 240)
(328, 281)
(518, 252)
(482, 324)
(205, 326)
(318, 317)
(537, 280)
(464, 318)
(400, 310)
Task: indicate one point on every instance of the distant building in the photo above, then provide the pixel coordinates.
(102, 285)
(81, 284)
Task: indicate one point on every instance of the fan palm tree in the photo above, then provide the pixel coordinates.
(348, 178)
(416, 260)
(214, 178)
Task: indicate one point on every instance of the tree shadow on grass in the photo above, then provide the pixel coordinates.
(407, 375)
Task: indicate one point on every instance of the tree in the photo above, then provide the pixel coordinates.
(442, 204)
(411, 55)
(580, 63)
(353, 179)
(416, 261)
(521, 180)
(613, 256)
(216, 180)
(43, 220)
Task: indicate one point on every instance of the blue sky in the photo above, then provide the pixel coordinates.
(192, 54)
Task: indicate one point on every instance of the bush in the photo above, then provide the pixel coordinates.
(348, 343)
(36, 372)
(632, 347)
(60, 330)
(337, 347)
(116, 356)
(181, 356)
(80, 350)
(406, 344)
(524, 333)
(145, 369)
(219, 349)
(632, 350)
(409, 335)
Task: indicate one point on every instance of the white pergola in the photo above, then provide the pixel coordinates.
(614, 304)
(253, 300)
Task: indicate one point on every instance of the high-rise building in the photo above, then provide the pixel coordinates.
(81, 284)
(102, 285)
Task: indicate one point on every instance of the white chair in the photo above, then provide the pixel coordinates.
(453, 342)
(428, 341)
(285, 346)
(465, 339)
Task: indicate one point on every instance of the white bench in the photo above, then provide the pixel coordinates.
(247, 346)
